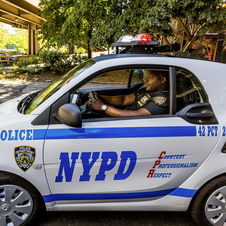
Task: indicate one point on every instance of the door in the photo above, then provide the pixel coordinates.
(125, 159)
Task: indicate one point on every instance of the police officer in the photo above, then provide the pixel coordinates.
(151, 99)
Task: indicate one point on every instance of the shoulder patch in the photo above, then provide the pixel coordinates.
(159, 100)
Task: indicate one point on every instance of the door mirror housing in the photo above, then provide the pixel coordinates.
(70, 115)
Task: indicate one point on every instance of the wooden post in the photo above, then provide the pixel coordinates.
(32, 39)
(36, 41)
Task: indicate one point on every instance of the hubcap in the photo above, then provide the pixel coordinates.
(215, 208)
(5, 207)
(16, 205)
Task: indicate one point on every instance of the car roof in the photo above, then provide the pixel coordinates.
(117, 56)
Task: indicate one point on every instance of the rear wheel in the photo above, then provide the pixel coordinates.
(19, 201)
(209, 206)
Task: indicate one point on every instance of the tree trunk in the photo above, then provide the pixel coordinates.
(89, 47)
(89, 51)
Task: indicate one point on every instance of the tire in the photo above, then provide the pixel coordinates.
(209, 205)
(20, 202)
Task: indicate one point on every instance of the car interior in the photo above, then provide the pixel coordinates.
(113, 83)
(124, 82)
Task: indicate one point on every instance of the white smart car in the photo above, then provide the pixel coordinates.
(58, 154)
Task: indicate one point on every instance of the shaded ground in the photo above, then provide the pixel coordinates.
(117, 76)
(12, 89)
(26, 77)
(116, 218)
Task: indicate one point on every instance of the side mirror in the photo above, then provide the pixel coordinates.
(70, 115)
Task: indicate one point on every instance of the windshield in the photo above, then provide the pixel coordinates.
(58, 84)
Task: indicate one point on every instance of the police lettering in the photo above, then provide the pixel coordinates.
(109, 160)
(212, 131)
(152, 173)
(162, 175)
(209, 131)
(174, 156)
(178, 165)
(11, 135)
(158, 165)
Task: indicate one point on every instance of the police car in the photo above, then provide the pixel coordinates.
(57, 154)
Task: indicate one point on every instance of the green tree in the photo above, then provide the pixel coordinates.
(71, 22)
(4, 35)
(209, 15)
(111, 26)
(156, 16)
(19, 39)
(91, 23)
(122, 17)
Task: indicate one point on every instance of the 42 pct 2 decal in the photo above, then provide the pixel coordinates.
(24, 157)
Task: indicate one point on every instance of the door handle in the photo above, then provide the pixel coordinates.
(202, 114)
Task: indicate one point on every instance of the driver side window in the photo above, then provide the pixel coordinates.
(110, 79)
(116, 89)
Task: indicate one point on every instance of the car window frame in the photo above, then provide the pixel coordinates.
(172, 86)
(172, 92)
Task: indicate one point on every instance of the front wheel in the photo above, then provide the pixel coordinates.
(209, 205)
(19, 201)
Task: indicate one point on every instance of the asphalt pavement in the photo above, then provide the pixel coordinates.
(116, 219)
(13, 89)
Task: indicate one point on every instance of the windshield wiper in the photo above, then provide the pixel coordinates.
(26, 103)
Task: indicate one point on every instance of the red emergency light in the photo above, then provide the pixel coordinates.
(142, 37)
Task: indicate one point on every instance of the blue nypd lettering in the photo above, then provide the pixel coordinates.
(11, 135)
(109, 160)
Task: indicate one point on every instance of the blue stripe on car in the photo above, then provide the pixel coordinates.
(183, 192)
(39, 134)
(116, 132)
(186, 193)
(107, 196)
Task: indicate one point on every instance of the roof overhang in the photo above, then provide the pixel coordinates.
(20, 14)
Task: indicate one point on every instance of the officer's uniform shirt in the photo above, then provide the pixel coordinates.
(155, 102)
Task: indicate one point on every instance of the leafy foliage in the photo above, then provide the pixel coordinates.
(209, 14)
(57, 61)
(71, 22)
(19, 39)
(50, 61)
(3, 36)
(91, 23)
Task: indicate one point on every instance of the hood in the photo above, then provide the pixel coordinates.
(10, 117)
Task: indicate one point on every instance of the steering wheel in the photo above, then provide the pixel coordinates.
(92, 96)
(89, 107)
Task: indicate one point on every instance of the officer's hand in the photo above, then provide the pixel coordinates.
(96, 104)
(95, 94)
